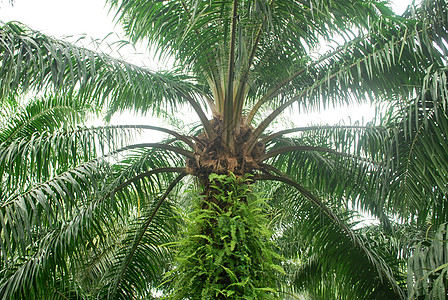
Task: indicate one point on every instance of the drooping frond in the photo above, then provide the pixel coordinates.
(49, 113)
(390, 61)
(141, 260)
(417, 170)
(105, 200)
(59, 190)
(341, 161)
(41, 155)
(34, 62)
(318, 249)
(47, 258)
(428, 267)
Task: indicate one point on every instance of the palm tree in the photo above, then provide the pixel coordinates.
(94, 213)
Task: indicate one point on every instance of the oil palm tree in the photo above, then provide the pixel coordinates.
(95, 213)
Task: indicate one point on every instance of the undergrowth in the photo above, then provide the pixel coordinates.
(227, 252)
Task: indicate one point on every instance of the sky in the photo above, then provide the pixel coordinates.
(60, 18)
(68, 17)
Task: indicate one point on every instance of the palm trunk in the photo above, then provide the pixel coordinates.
(227, 253)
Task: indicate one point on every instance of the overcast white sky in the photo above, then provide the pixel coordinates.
(91, 17)
(61, 17)
(68, 17)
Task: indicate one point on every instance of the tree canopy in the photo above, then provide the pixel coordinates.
(231, 207)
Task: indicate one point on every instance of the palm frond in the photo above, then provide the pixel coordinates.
(34, 62)
(48, 113)
(53, 256)
(133, 257)
(41, 155)
(415, 175)
(342, 161)
(428, 267)
(330, 243)
(376, 66)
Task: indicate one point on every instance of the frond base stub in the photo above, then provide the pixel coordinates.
(212, 156)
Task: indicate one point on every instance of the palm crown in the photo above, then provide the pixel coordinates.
(89, 212)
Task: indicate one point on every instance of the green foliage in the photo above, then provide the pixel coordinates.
(322, 258)
(227, 252)
(85, 213)
(428, 268)
(68, 214)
